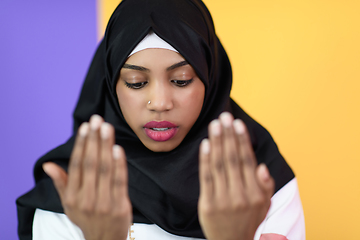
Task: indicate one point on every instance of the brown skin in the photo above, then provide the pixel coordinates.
(95, 192)
(235, 193)
(170, 101)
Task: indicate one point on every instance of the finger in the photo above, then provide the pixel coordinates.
(246, 153)
(205, 178)
(231, 157)
(58, 175)
(75, 166)
(105, 166)
(90, 163)
(216, 159)
(266, 182)
(120, 177)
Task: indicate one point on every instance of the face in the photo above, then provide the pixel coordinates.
(160, 96)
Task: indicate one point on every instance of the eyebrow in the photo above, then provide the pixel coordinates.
(176, 65)
(144, 69)
(134, 67)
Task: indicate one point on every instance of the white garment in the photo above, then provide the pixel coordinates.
(285, 217)
(152, 40)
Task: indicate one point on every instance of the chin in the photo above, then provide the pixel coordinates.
(161, 146)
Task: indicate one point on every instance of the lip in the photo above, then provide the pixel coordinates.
(160, 135)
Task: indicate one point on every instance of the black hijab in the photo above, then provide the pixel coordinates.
(163, 187)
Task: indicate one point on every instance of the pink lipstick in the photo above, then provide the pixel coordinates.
(160, 131)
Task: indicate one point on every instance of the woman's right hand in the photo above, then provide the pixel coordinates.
(94, 193)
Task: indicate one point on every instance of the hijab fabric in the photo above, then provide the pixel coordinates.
(163, 186)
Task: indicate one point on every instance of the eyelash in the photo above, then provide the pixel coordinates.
(178, 83)
(135, 85)
(182, 83)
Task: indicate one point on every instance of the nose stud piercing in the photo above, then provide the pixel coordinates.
(149, 102)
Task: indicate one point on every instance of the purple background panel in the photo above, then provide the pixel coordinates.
(45, 50)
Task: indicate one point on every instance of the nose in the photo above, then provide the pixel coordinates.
(160, 98)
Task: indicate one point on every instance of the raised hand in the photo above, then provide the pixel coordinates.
(95, 192)
(235, 192)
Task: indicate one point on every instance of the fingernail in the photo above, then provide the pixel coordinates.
(239, 126)
(84, 129)
(116, 152)
(95, 122)
(45, 168)
(105, 130)
(264, 172)
(226, 119)
(205, 146)
(215, 128)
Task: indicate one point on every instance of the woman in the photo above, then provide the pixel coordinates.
(160, 79)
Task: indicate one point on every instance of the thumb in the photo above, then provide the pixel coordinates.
(58, 175)
(265, 180)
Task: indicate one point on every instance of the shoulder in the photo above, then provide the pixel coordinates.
(57, 226)
(285, 216)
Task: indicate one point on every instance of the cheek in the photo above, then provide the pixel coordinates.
(193, 102)
(198, 96)
(129, 102)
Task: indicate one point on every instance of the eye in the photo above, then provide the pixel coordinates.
(182, 83)
(137, 85)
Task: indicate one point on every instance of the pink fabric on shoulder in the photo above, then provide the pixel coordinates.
(272, 236)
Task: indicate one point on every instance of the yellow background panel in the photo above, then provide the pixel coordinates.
(297, 71)
(104, 10)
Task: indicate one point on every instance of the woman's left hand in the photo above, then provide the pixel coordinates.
(235, 191)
